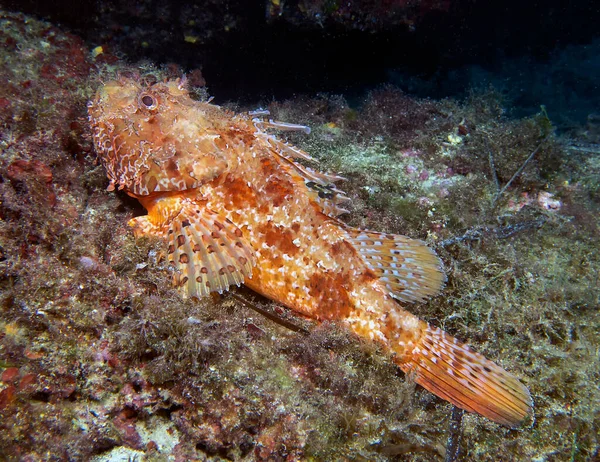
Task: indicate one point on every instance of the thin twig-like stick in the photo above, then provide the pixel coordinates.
(499, 232)
(518, 172)
(591, 148)
(493, 170)
(269, 315)
(454, 435)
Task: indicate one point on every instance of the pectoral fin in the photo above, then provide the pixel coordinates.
(207, 251)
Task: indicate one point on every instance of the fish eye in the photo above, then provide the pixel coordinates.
(147, 101)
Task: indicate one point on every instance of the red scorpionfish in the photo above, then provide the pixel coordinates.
(234, 206)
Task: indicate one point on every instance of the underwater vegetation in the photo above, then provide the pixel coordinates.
(101, 357)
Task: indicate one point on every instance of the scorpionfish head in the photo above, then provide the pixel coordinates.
(154, 137)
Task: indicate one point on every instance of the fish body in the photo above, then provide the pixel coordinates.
(234, 205)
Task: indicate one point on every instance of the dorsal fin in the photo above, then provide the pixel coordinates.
(284, 149)
(410, 270)
(320, 185)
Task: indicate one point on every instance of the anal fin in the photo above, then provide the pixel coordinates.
(409, 269)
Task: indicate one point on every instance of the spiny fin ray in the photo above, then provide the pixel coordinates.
(320, 186)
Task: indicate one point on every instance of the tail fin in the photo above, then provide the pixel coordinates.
(454, 372)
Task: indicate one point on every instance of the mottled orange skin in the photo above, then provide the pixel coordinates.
(177, 155)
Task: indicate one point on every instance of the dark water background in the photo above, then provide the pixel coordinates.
(534, 52)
